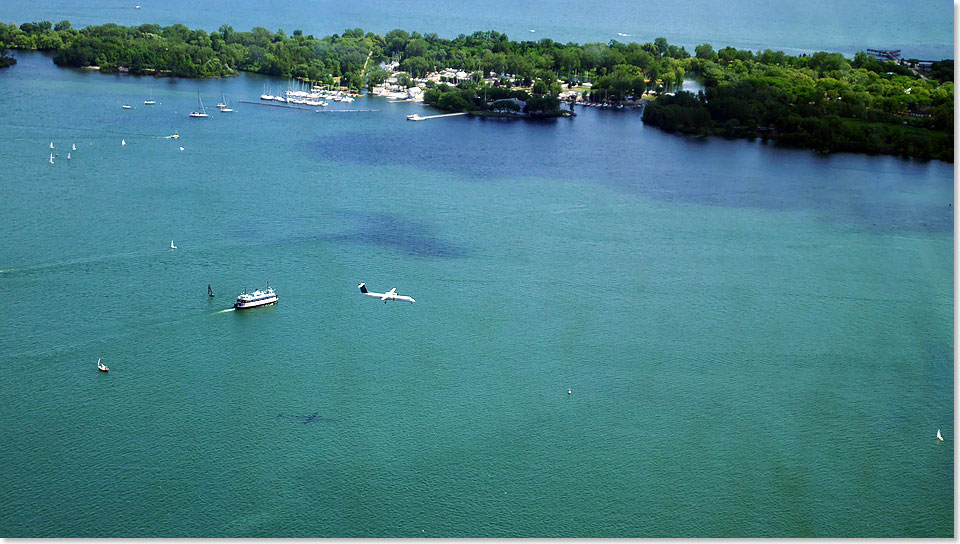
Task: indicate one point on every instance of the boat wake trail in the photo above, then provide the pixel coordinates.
(224, 311)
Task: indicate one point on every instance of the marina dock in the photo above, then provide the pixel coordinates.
(305, 108)
(275, 105)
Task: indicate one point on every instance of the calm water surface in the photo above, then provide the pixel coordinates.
(758, 340)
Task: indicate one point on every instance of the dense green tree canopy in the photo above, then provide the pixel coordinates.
(822, 101)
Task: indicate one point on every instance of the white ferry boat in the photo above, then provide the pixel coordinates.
(260, 297)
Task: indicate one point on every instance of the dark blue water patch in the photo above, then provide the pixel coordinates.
(614, 148)
(403, 234)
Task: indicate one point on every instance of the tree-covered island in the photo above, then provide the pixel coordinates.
(822, 101)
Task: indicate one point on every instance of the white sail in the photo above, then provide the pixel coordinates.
(74, 147)
(123, 142)
(939, 436)
(68, 156)
(51, 145)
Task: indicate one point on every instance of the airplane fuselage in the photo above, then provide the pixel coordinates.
(386, 297)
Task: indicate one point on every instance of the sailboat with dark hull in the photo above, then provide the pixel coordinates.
(209, 290)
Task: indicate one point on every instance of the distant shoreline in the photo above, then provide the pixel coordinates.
(824, 101)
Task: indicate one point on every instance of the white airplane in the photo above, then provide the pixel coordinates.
(385, 297)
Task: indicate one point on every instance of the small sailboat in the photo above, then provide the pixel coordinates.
(51, 145)
(226, 108)
(209, 290)
(68, 156)
(51, 158)
(123, 143)
(221, 104)
(200, 111)
(939, 436)
(151, 101)
(102, 367)
(172, 246)
(181, 148)
(74, 147)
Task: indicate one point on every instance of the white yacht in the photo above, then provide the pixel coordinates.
(222, 104)
(151, 101)
(260, 297)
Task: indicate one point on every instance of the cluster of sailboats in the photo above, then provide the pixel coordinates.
(73, 148)
(315, 96)
(202, 112)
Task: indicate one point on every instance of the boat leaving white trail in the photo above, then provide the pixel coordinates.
(260, 297)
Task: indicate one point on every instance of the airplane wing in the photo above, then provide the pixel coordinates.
(392, 291)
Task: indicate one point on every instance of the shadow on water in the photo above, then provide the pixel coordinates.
(615, 149)
(309, 419)
(403, 234)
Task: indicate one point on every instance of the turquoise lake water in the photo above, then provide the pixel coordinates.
(921, 29)
(759, 341)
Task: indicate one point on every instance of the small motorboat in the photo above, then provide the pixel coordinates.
(102, 367)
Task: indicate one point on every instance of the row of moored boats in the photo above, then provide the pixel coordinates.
(313, 97)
